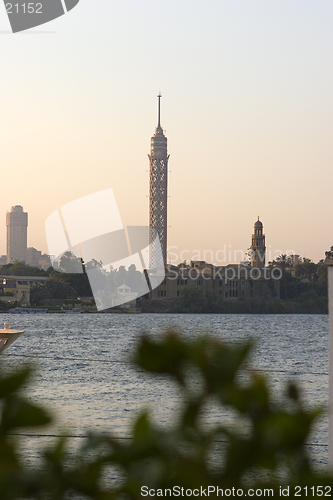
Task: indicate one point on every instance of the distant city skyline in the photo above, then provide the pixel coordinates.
(247, 109)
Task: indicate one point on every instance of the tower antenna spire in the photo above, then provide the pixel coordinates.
(159, 110)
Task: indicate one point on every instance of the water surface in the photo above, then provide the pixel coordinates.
(82, 369)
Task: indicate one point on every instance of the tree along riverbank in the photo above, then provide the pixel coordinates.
(304, 292)
(191, 301)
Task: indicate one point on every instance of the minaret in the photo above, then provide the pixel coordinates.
(258, 249)
(158, 188)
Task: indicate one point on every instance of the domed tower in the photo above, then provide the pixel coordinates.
(258, 249)
(158, 188)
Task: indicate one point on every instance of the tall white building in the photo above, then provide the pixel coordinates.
(17, 224)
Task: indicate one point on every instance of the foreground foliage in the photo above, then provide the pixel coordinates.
(268, 451)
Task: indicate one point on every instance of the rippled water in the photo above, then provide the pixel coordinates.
(83, 374)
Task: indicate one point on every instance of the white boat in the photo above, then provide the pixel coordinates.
(7, 337)
(27, 310)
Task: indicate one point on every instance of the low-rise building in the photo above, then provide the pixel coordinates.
(124, 297)
(14, 290)
(232, 282)
(17, 288)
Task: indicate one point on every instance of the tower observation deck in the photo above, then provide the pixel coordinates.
(158, 188)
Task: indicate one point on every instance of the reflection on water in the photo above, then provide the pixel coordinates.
(84, 375)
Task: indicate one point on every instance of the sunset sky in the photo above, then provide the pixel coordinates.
(247, 109)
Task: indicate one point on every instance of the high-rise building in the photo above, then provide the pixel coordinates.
(258, 249)
(158, 188)
(17, 224)
(36, 258)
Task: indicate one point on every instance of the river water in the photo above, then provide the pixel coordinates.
(83, 374)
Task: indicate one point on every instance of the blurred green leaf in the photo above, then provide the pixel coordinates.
(292, 391)
(20, 413)
(166, 355)
(142, 427)
(12, 383)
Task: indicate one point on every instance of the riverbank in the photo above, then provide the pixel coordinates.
(214, 305)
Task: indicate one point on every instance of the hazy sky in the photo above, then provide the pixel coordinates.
(247, 109)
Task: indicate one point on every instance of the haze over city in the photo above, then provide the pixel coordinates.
(246, 108)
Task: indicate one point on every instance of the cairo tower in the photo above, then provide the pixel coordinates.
(158, 190)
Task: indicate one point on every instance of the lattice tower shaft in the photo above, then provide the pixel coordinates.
(158, 190)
